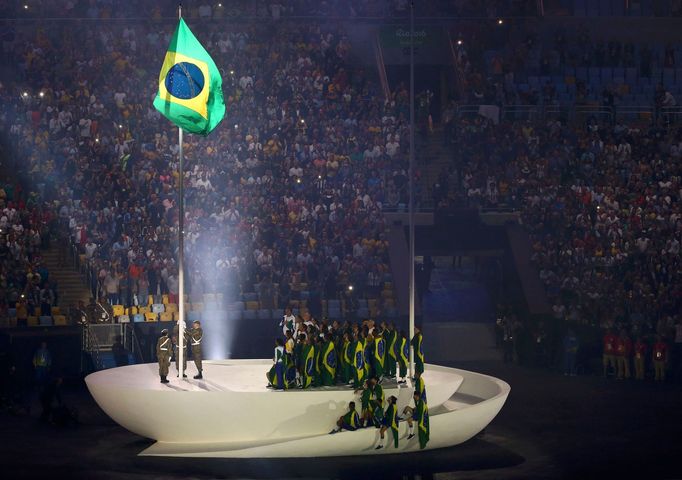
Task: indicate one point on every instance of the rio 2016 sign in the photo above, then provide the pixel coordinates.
(399, 36)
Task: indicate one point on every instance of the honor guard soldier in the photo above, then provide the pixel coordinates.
(176, 350)
(195, 336)
(163, 354)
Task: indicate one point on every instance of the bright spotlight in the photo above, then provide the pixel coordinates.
(231, 72)
(298, 180)
(25, 7)
(350, 288)
(24, 94)
(302, 121)
(459, 42)
(41, 94)
(500, 21)
(120, 126)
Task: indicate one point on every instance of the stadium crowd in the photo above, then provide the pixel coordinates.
(287, 191)
(601, 203)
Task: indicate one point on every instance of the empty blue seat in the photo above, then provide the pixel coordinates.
(45, 320)
(668, 77)
(334, 313)
(138, 317)
(580, 8)
(581, 73)
(594, 72)
(334, 304)
(238, 306)
(264, 314)
(606, 74)
(250, 297)
(277, 314)
(363, 312)
(249, 314)
(11, 312)
(592, 8)
(605, 8)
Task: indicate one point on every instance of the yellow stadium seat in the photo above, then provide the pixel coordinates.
(55, 311)
(142, 309)
(164, 299)
(150, 299)
(131, 310)
(172, 307)
(252, 305)
(59, 320)
(150, 317)
(118, 310)
(198, 307)
(32, 321)
(166, 317)
(176, 316)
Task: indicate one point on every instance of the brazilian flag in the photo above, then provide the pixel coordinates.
(308, 365)
(328, 364)
(190, 88)
(391, 420)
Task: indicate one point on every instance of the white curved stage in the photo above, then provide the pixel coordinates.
(230, 413)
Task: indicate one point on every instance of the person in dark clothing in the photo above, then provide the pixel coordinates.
(51, 394)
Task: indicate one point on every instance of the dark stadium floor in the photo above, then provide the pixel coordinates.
(551, 427)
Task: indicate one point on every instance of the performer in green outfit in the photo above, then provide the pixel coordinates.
(307, 364)
(347, 369)
(317, 346)
(417, 341)
(390, 421)
(379, 355)
(419, 386)
(358, 362)
(349, 421)
(391, 337)
(420, 415)
(402, 352)
(328, 362)
(372, 401)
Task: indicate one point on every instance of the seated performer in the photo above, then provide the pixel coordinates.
(276, 374)
(349, 421)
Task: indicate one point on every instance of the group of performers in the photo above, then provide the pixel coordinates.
(361, 355)
(316, 354)
(386, 417)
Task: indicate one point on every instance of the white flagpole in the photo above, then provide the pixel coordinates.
(181, 252)
(411, 188)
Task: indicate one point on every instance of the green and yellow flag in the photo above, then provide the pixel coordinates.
(190, 88)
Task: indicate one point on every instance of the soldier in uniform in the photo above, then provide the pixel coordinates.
(163, 354)
(176, 350)
(195, 336)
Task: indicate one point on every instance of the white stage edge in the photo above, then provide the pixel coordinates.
(231, 414)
